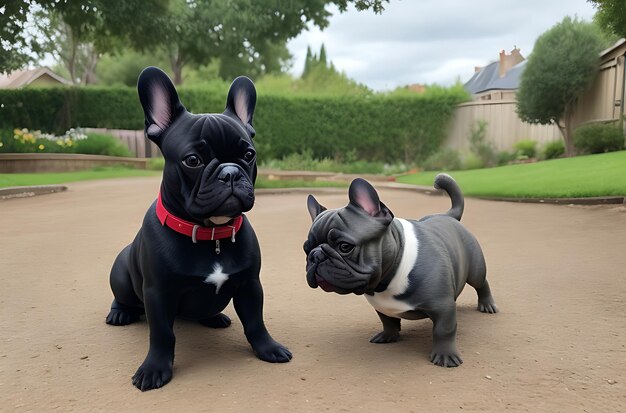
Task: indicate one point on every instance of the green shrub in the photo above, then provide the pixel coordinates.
(480, 147)
(506, 157)
(598, 138)
(443, 160)
(554, 149)
(377, 128)
(305, 161)
(97, 144)
(526, 148)
(473, 161)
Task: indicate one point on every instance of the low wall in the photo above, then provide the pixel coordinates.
(62, 162)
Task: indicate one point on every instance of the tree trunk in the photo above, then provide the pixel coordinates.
(567, 132)
(89, 77)
(176, 63)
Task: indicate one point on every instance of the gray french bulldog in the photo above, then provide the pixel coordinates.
(407, 269)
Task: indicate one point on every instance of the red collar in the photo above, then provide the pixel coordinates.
(197, 232)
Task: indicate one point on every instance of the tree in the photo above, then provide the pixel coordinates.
(17, 46)
(562, 65)
(192, 31)
(611, 15)
(76, 33)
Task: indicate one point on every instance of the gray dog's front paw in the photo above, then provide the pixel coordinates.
(385, 337)
(444, 359)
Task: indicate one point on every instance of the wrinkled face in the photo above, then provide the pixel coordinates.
(344, 246)
(344, 252)
(210, 161)
(210, 166)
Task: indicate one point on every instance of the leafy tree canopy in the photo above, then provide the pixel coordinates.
(240, 32)
(611, 15)
(562, 65)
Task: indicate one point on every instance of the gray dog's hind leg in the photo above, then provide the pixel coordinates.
(486, 304)
(126, 307)
(391, 330)
(478, 280)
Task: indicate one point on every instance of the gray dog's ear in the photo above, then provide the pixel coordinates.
(241, 102)
(363, 195)
(315, 208)
(159, 100)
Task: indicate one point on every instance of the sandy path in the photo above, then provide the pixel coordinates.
(558, 275)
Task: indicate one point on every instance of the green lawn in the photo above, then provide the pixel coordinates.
(582, 176)
(65, 177)
(296, 183)
(7, 180)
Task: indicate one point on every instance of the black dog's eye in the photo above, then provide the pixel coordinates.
(248, 156)
(192, 161)
(345, 248)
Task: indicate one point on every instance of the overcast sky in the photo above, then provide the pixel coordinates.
(431, 41)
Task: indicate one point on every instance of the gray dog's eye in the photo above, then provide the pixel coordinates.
(345, 248)
(248, 156)
(192, 161)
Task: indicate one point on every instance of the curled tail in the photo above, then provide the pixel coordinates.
(445, 182)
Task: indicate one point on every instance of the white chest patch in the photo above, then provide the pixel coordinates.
(385, 302)
(218, 277)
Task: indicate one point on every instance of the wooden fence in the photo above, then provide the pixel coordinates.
(504, 127)
(134, 140)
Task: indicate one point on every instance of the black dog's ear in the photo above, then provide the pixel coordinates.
(315, 208)
(159, 100)
(241, 102)
(363, 195)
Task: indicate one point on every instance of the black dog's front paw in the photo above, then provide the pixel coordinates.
(218, 321)
(273, 352)
(385, 337)
(152, 375)
(446, 359)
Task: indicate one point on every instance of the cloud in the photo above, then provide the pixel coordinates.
(431, 41)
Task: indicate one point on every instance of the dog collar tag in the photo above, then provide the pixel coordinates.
(217, 247)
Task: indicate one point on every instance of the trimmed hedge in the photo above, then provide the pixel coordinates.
(379, 128)
(599, 138)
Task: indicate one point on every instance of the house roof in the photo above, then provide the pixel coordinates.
(488, 78)
(21, 78)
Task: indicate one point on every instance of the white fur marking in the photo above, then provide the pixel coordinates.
(385, 302)
(217, 277)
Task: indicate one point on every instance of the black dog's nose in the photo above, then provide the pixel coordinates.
(229, 174)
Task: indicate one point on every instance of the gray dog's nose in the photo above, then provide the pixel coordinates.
(316, 256)
(229, 174)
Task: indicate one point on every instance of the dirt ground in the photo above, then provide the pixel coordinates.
(558, 274)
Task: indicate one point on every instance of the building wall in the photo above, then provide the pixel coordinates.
(45, 81)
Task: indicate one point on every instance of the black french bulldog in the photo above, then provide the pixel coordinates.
(406, 269)
(195, 250)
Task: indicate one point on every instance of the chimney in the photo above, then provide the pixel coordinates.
(502, 67)
(507, 61)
